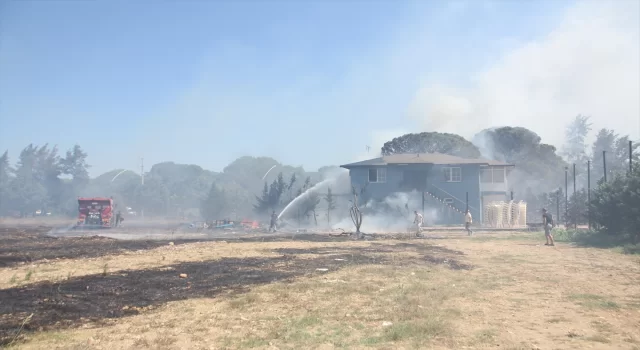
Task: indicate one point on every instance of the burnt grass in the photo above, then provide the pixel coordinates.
(26, 245)
(95, 299)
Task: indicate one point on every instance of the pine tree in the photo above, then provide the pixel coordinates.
(214, 207)
(331, 205)
(5, 178)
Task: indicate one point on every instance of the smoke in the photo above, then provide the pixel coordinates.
(588, 64)
(393, 214)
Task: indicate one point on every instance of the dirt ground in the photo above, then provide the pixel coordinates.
(448, 291)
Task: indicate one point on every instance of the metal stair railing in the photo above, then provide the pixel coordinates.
(443, 202)
(454, 197)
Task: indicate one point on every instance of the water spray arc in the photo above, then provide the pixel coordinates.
(268, 171)
(118, 174)
(303, 195)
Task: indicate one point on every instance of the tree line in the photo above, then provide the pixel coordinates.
(42, 179)
(274, 198)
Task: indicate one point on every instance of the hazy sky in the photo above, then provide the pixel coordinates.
(308, 83)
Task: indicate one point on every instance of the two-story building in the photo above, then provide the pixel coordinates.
(447, 183)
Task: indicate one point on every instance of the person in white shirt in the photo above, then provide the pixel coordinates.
(468, 220)
(418, 221)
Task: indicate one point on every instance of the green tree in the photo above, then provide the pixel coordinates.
(621, 157)
(271, 198)
(331, 204)
(5, 183)
(214, 206)
(75, 164)
(47, 169)
(537, 164)
(152, 198)
(575, 147)
(578, 208)
(549, 200)
(605, 141)
(309, 203)
(615, 206)
(431, 142)
(28, 193)
(292, 182)
(262, 205)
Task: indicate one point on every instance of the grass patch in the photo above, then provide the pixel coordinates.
(631, 248)
(254, 342)
(27, 277)
(243, 302)
(598, 338)
(418, 333)
(164, 341)
(594, 301)
(601, 326)
(596, 239)
(486, 336)
(520, 236)
(557, 320)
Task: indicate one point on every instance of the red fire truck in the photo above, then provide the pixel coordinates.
(96, 212)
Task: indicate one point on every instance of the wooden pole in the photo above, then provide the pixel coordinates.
(604, 164)
(566, 195)
(630, 158)
(558, 205)
(575, 202)
(467, 209)
(589, 192)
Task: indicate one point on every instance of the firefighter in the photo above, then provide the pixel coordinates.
(468, 220)
(273, 225)
(418, 221)
(119, 218)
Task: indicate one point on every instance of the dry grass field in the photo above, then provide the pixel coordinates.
(498, 291)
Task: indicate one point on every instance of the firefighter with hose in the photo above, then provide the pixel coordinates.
(273, 225)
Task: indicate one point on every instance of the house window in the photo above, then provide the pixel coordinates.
(492, 175)
(452, 174)
(378, 175)
(486, 176)
(498, 175)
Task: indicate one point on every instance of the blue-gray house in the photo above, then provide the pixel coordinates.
(445, 183)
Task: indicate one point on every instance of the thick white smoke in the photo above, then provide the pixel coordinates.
(588, 64)
(393, 214)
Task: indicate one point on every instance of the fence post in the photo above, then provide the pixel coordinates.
(566, 196)
(467, 201)
(604, 164)
(575, 202)
(558, 204)
(630, 157)
(589, 192)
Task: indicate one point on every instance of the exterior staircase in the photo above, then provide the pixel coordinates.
(438, 199)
